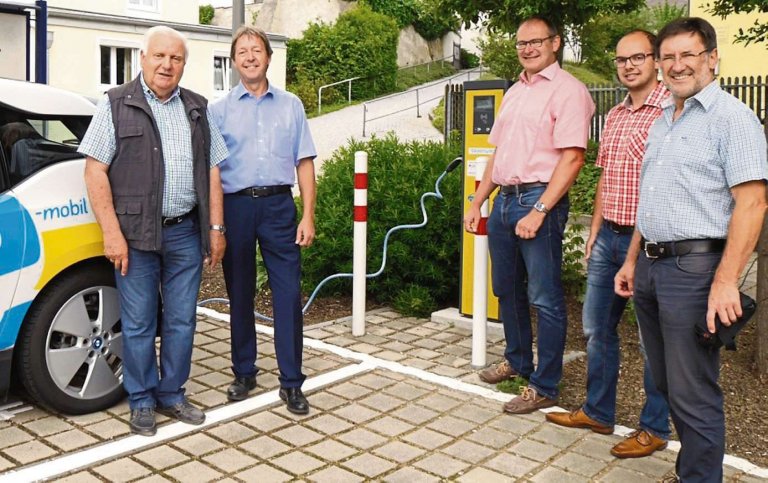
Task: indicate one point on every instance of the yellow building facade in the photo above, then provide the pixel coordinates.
(736, 59)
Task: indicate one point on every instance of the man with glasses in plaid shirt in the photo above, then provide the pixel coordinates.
(621, 154)
(702, 203)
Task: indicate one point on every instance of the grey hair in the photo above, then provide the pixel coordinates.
(160, 30)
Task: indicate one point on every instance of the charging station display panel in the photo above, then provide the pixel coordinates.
(482, 100)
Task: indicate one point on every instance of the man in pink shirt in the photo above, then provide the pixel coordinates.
(540, 136)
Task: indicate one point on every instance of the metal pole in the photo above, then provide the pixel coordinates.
(41, 42)
(365, 111)
(238, 19)
(349, 92)
(360, 243)
(320, 100)
(418, 114)
(480, 282)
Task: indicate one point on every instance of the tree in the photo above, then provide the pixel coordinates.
(506, 15)
(758, 32)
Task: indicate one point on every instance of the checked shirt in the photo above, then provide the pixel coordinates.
(622, 147)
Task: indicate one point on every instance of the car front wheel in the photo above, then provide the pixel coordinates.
(70, 352)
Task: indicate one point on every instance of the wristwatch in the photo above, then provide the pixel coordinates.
(541, 207)
(221, 228)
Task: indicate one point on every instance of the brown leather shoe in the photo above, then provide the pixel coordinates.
(528, 402)
(578, 419)
(638, 444)
(495, 374)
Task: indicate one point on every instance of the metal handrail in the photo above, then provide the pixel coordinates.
(349, 89)
(320, 92)
(468, 73)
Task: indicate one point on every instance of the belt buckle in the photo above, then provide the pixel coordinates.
(652, 250)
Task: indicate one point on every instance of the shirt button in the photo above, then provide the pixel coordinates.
(651, 188)
(154, 149)
(647, 215)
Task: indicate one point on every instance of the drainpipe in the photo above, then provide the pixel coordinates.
(41, 42)
(238, 19)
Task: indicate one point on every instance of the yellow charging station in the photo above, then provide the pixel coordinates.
(482, 100)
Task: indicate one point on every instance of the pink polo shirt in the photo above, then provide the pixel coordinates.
(537, 120)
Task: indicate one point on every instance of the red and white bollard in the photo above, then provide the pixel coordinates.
(480, 277)
(360, 242)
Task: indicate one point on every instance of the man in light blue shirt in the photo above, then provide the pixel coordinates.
(702, 203)
(270, 145)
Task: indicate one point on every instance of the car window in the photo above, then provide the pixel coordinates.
(30, 145)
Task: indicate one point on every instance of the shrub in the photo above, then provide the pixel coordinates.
(431, 24)
(468, 60)
(422, 264)
(500, 55)
(582, 193)
(206, 13)
(361, 43)
(402, 11)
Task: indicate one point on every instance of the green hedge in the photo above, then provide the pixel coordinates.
(500, 55)
(582, 193)
(422, 272)
(425, 20)
(361, 43)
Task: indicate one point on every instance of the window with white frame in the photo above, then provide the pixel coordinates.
(143, 4)
(222, 67)
(118, 65)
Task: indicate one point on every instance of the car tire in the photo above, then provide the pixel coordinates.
(69, 354)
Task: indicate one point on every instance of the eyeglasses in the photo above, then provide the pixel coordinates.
(535, 43)
(636, 59)
(685, 57)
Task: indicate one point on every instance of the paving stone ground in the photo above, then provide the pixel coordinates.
(377, 425)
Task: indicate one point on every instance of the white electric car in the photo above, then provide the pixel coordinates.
(60, 332)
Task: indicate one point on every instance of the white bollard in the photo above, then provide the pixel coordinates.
(360, 243)
(480, 277)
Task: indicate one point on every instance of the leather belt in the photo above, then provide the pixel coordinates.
(680, 248)
(620, 229)
(175, 220)
(522, 187)
(264, 191)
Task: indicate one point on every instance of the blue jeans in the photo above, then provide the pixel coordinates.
(671, 297)
(601, 315)
(527, 273)
(175, 270)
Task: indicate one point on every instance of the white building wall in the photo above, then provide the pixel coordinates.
(182, 11)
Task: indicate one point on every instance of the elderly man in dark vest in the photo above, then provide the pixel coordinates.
(154, 185)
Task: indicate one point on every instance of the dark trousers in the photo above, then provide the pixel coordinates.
(670, 298)
(270, 222)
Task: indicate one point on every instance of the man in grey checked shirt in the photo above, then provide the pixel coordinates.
(702, 203)
(154, 184)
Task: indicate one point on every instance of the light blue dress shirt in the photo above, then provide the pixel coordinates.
(176, 138)
(266, 136)
(692, 163)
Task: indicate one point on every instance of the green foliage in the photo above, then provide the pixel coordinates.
(429, 23)
(758, 32)
(585, 75)
(574, 279)
(206, 13)
(512, 386)
(600, 35)
(582, 193)
(403, 11)
(506, 15)
(468, 60)
(438, 116)
(361, 43)
(500, 56)
(422, 264)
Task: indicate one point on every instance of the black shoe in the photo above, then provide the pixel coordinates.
(143, 421)
(184, 412)
(239, 388)
(294, 400)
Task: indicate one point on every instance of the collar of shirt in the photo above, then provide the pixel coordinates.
(150, 95)
(240, 91)
(656, 98)
(705, 98)
(548, 73)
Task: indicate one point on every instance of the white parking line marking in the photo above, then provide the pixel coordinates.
(133, 443)
(8, 411)
(130, 444)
